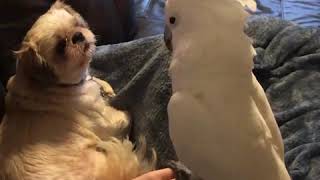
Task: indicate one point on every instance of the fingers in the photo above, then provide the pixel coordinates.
(163, 174)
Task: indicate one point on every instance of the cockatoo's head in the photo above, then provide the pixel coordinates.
(207, 28)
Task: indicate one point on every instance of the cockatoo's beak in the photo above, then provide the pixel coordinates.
(168, 38)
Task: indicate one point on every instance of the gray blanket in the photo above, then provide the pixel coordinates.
(287, 66)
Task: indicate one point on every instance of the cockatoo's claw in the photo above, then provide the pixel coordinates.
(181, 171)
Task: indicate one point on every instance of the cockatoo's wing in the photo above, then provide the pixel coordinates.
(264, 108)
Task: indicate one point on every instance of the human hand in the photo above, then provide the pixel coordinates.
(163, 174)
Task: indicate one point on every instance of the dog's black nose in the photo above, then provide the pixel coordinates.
(77, 38)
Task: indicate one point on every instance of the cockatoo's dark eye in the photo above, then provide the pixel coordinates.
(172, 20)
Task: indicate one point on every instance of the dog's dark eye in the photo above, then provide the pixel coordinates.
(172, 20)
(61, 46)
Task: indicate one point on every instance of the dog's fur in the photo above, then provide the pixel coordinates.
(58, 124)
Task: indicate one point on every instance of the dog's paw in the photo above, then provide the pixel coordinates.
(106, 94)
(106, 89)
(181, 171)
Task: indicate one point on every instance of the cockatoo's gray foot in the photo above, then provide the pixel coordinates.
(182, 172)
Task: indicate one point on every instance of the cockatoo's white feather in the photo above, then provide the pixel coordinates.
(220, 121)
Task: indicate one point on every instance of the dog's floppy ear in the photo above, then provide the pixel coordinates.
(32, 65)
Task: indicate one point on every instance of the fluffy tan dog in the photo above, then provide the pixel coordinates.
(58, 124)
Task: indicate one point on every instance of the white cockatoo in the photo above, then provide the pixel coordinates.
(220, 120)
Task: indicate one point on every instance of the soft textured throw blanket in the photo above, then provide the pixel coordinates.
(287, 65)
